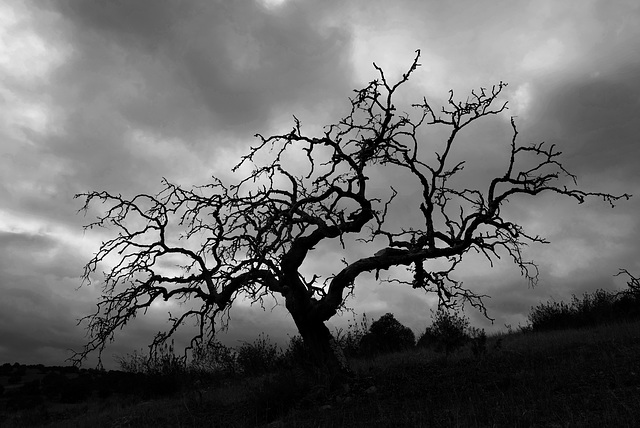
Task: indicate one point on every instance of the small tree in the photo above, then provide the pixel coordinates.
(250, 239)
(387, 334)
(448, 332)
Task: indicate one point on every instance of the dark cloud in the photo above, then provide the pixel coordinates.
(25, 243)
(594, 118)
(38, 254)
(232, 59)
(36, 313)
(191, 78)
(148, 23)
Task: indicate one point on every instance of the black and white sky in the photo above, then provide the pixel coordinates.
(117, 94)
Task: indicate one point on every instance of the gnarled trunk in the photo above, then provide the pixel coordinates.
(323, 350)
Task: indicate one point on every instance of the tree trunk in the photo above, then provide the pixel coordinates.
(324, 353)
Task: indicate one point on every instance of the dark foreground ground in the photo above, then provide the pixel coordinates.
(572, 378)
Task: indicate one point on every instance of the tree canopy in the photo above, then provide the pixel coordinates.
(213, 244)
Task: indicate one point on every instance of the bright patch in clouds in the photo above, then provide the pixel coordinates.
(25, 54)
(272, 4)
(545, 57)
(21, 225)
(520, 100)
(393, 51)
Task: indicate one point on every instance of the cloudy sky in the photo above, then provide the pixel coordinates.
(115, 95)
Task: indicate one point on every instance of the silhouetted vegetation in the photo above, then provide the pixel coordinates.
(258, 357)
(162, 361)
(450, 331)
(387, 335)
(592, 309)
(296, 354)
(350, 338)
(216, 359)
(588, 376)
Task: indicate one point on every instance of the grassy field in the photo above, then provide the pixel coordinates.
(571, 378)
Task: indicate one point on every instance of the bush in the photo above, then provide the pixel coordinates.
(478, 341)
(627, 305)
(448, 332)
(258, 357)
(596, 308)
(296, 353)
(216, 359)
(163, 362)
(387, 335)
(19, 369)
(6, 369)
(166, 362)
(159, 374)
(350, 339)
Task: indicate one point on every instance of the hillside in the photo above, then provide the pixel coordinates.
(582, 378)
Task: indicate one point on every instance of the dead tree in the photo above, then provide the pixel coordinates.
(249, 240)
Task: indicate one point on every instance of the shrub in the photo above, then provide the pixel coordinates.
(627, 305)
(133, 363)
(19, 369)
(166, 362)
(351, 338)
(6, 369)
(448, 332)
(258, 357)
(592, 309)
(296, 354)
(216, 359)
(478, 341)
(387, 335)
(159, 374)
(163, 362)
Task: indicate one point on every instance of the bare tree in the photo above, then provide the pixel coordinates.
(250, 239)
(633, 283)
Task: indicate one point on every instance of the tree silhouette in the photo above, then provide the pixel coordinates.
(250, 239)
(386, 335)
